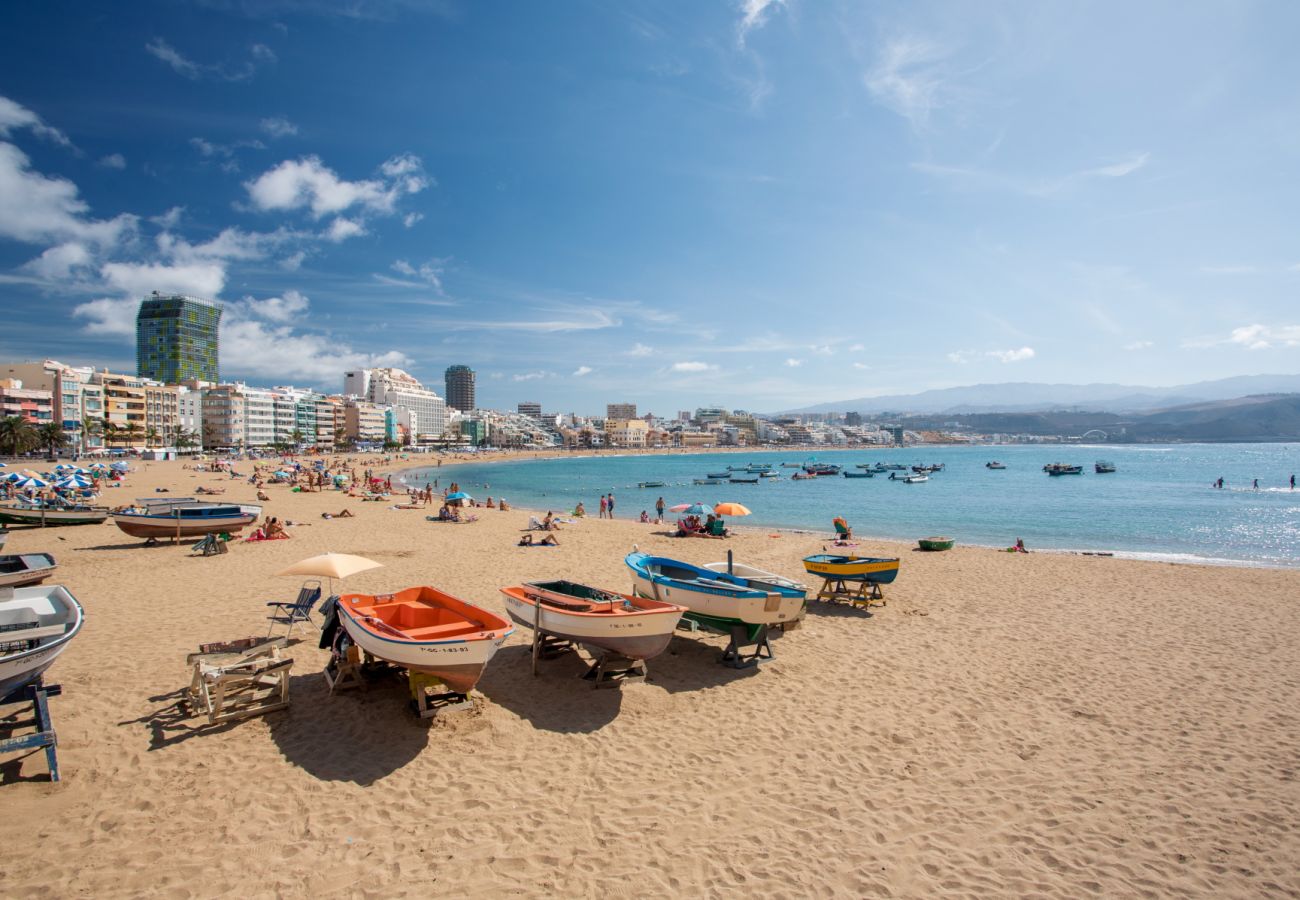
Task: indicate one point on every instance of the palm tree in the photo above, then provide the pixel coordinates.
(110, 434)
(52, 437)
(184, 439)
(296, 436)
(89, 428)
(16, 435)
(151, 435)
(340, 437)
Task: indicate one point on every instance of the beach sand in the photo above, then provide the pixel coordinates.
(1007, 724)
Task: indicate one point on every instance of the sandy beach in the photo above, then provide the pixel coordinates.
(1041, 724)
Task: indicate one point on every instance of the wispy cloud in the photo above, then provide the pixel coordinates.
(908, 78)
(753, 15)
(529, 376)
(1139, 345)
(14, 116)
(691, 367)
(962, 357)
(429, 272)
(582, 370)
(858, 365)
(112, 161)
(279, 127)
(1254, 337)
(258, 55)
(1229, 270)
(639, 349)
(1031, 185)
(794, 363)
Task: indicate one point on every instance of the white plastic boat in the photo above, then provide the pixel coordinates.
(36, 625)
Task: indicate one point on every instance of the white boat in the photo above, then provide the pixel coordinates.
(632, 627)
(713, 599)
(916, 479)
(36, 624)
(184, 517)
(756, 575)
(20, 570)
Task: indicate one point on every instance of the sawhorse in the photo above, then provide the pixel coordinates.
(735, 657)
(837, 590)
(36, 694)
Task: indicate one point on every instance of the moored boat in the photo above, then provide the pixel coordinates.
(19, 570)
(184, 517)
(742, 478)
(650, 484)
(426, 630)
(995, 465)
(848, 474)
(1062, 469)
(623, 624)
(936, 543)
(877, 570)
(916, 479)
(24, 512)
(802, 476)
(715, 600)
(36, 625)
(1102, 467)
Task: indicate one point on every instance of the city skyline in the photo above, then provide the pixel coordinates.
(759, 204)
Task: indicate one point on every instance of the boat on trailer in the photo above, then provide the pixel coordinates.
(36, 625)
(20, 570)
(633, 627)
(184, 517)
(714, 600)
(423, 629)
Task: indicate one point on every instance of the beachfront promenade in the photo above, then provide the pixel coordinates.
(1008, 724)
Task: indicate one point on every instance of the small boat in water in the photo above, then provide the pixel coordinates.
(36, 625)
(718, 475)
(848, 474)
(184, 517)
(425, 630)
(742, 478)
(650, 484)
(769, 473)
(1062, 469)
(936, 543)
(715, 600)
(1101, 467)
(802, 476)
(623, 624)
(995, 465)
(916, 479)
(40, 512)
(23, 569)
(877, 570)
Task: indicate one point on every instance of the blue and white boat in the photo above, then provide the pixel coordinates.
(184, 517)
(715, 600)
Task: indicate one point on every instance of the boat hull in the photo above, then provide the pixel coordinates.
(873, 569)
(458, 660)
(719, 608)
(17, 670)
(24, 516)
(169, 526)
(643, 634)
(25, 569)
(935, 544)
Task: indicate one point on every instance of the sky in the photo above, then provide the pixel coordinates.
(757, 204)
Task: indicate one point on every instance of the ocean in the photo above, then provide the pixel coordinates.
(1159, 504)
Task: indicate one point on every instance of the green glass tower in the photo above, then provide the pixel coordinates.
(176, 338)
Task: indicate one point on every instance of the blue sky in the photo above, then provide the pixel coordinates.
(753, 204)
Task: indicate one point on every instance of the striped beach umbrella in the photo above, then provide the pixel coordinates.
(31, 481)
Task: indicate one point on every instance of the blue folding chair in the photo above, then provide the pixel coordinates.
(299, 610)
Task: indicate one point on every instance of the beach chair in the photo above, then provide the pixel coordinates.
(299, 610)
(842, 530)
(717, 528)
(535, 524)
(225, 687)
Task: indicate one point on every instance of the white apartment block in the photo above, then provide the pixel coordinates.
(427, 412)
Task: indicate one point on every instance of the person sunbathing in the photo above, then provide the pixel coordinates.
(842, 529)
(274, 529)
(548, 541)
(549, 523)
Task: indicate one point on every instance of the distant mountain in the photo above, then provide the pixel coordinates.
(1032, 397)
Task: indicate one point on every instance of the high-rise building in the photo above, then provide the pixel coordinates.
(460, 387)
(528, 408)
(176, 338)
(620, 410)
(425, 412)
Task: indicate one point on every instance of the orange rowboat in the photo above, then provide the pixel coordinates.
(425, 630)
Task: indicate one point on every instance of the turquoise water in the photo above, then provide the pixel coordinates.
(1158, 504)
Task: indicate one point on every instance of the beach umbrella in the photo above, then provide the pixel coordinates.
(459, 495)
(680, 507)
(31, 481)
(72, 482)
(698, 509)
(731, 509)
(331, 566)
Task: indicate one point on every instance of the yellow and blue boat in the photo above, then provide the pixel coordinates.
(876, 570)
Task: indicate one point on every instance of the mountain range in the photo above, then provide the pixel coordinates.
(1034, 397)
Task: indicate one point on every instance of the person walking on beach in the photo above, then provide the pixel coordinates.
(611, 504)
(1293, 481)
(604, 506)
(659, 508)
(1256, 485)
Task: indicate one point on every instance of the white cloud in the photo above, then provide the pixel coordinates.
(640, 349)
(312, 358)
(308, 184)
(582, 370)
(231, 243)
(403, 266)
(528, 376)
(273, 309)
(1010, 356)
(170, 219)
(38, 209)
(279, 127)
(691, 367)
(410, 219)
(857, 348)
(112, 161)
(430, 272)
(753, 14)
(908, 78)
(58, 263)
(342, 228)
(293, 262)
(961, 357)
(109, 315)
(1265, 337)
(1139, 345)
(822, 350)
(224, 71)
(138, 279)
(15, 115)
(572, 319)
(1119, 169)
(794, 363)
(858, 365)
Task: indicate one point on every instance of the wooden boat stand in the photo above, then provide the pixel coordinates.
(862, 592)
(734, 655)
(36, 693)
(348, 670)
(606, 670)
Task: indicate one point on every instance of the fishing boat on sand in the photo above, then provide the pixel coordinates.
(425, 630)
(933, 544)
(759, 579)
(622, 624)
(53, 512)
(36, 625)
(876, 570)
(20, 570)
(183, 517)
(715, 600)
